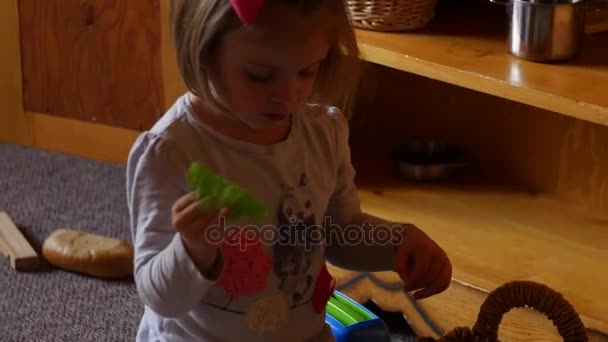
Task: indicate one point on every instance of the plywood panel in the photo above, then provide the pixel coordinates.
(583, 164)
(173, 84)
(506, 141)
(14, 126)
(494, 235)
(93, 60)
(95, 141)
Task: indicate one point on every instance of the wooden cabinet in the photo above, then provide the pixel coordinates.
(466, 47)
(532, 204)
(84, 77)
(93, 60)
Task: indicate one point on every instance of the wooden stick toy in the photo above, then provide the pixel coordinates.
(14, 246)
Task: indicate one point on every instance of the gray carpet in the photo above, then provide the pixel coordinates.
(44, 191)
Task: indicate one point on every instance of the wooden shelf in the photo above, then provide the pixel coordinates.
(495, 234)
(465, 45)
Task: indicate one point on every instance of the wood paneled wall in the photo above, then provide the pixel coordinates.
(505, 141)
(93, 60)
(14, 126)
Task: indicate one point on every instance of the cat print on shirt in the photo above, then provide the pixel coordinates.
(294, 252)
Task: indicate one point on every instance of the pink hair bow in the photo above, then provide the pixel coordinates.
(247, 10)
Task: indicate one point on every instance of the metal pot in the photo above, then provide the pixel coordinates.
(428, 173)
(545, 30)
(426, 161)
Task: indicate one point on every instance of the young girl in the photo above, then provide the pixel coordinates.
(265, 79)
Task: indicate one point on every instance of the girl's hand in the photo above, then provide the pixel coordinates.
(422, 265)
(194, 224)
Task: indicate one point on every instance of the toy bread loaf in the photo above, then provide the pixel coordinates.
(88, 253)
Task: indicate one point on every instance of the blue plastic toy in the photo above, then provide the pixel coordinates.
(352, 322)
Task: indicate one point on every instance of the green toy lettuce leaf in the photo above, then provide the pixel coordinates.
(222, 193)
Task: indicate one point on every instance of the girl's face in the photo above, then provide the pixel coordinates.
(264, 72)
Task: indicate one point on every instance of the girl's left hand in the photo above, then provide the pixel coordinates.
(422, 265)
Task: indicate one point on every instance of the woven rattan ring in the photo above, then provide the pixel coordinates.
(515, 295)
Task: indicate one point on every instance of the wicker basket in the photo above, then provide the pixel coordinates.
(519, 294)
(391, 15)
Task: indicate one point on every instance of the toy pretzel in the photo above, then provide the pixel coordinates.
(514, 295)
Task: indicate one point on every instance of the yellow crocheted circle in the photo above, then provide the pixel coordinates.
(268, 314)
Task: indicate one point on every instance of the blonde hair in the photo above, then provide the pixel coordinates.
(198, 25)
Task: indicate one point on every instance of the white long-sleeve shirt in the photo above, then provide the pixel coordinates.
(308, 178)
